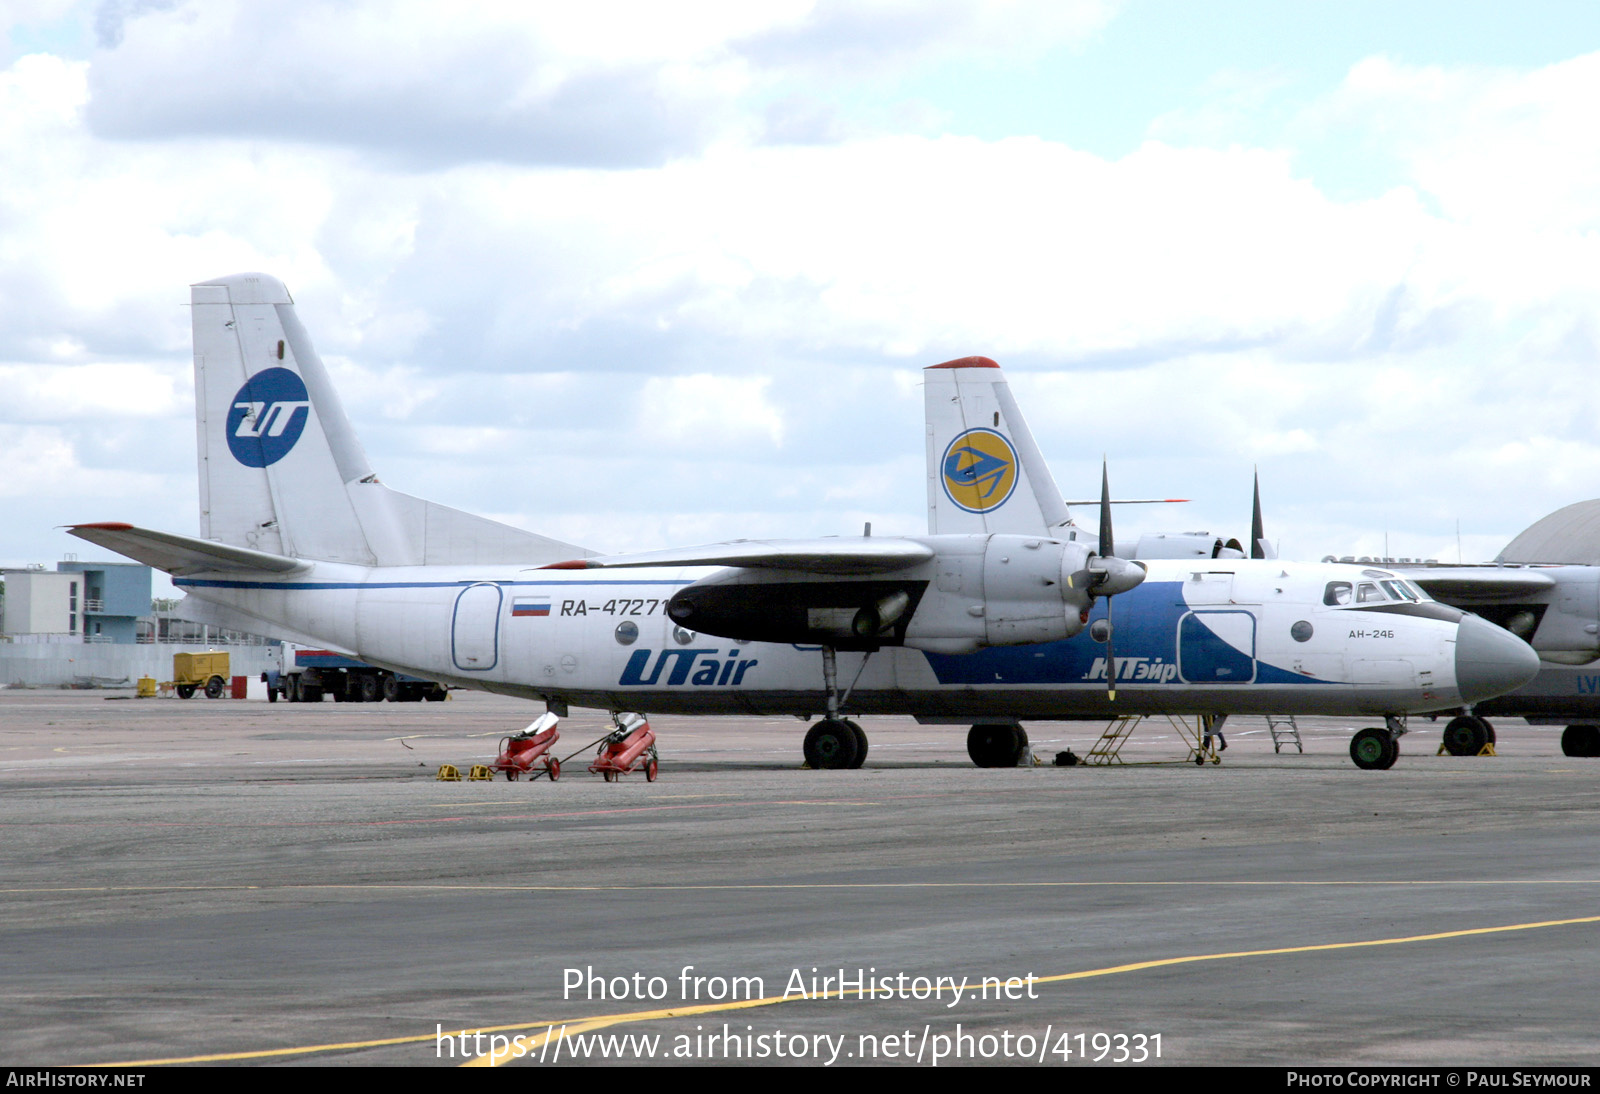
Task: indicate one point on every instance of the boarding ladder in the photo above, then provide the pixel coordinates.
(1284, 732)
(1108, 749)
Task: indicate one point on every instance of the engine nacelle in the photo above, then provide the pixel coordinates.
(999, 590)
(1181, 545)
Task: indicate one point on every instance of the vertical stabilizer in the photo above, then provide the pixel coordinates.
(281, 470)
(985, 473)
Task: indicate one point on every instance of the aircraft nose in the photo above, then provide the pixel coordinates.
(1490, 661)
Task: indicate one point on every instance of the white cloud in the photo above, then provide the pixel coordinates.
(727, 340)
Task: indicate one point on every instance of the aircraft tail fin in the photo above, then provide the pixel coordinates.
(281, 469)
(985, 473)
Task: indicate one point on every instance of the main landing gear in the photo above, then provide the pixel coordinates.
(996, 744)
(1580, 741)
(1377, 749)
(836, 742)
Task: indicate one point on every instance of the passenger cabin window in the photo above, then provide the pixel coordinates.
(1337, 593)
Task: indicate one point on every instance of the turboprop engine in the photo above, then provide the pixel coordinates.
(974, 591)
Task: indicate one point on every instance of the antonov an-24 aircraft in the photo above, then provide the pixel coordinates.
(1000, 613)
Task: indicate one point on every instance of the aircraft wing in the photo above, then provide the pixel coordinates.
(828, 555)
(181, 554)
(1450, 583)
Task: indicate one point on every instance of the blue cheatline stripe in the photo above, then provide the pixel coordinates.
(302, 586)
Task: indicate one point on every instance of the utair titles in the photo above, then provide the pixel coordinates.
(860, 984)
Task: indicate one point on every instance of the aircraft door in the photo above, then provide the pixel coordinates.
(475, 628)
(1217, 647)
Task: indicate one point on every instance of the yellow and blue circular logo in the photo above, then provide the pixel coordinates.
(980, 470)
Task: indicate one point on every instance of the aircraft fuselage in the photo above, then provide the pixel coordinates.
(1220, 636)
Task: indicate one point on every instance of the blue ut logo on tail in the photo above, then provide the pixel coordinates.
(269, 413)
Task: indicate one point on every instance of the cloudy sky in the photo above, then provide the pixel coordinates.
(639, 275)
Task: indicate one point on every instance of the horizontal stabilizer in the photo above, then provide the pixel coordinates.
(182, 554)
(1478, 582)
(1130, 501)
(830, 555)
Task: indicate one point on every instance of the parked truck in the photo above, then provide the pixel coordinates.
(305, 675)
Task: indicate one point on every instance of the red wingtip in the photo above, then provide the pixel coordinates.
(575, 564)
(967, 362)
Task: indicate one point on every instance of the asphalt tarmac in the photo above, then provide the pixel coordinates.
(281, 884)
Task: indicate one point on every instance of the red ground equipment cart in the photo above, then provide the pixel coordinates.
(631, 744)
(520, 753)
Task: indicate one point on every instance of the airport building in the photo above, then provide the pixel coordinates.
(94, 624)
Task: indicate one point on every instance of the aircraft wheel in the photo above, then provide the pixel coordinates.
(861, 742)
(1580, 741)
(186, 691)
(214, 688)
(831, 745)
(1466, 735)
(1374, 749)
(996, 744)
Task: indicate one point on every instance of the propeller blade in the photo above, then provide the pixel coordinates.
(1111, 657)
(1107, 544)
(1258, 533)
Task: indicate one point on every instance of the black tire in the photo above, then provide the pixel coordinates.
(553, 768)
(310, 693)
(436, 694)
(1582, 741)
(650, 770)
(272, 694)
(214, 687)
(996, 744)
(369, 689)
(186, 691)
(1374, 749)
(1466, 735)
(830, 745)
(861, 742)
(393, 690)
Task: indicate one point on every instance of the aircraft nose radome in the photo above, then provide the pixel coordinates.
(1490, 661)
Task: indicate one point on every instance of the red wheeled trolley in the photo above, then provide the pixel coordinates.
(632, 743)
(518, 754)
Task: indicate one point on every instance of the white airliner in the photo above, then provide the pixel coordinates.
(980, 621)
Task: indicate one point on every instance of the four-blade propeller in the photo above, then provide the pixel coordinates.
(1106, 575)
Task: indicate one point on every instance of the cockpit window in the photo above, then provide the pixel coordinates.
(1368, 593)
(1398, 590)
(1418, 591)
(1337, 593)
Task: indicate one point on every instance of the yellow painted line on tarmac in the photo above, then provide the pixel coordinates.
(569, 1027)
